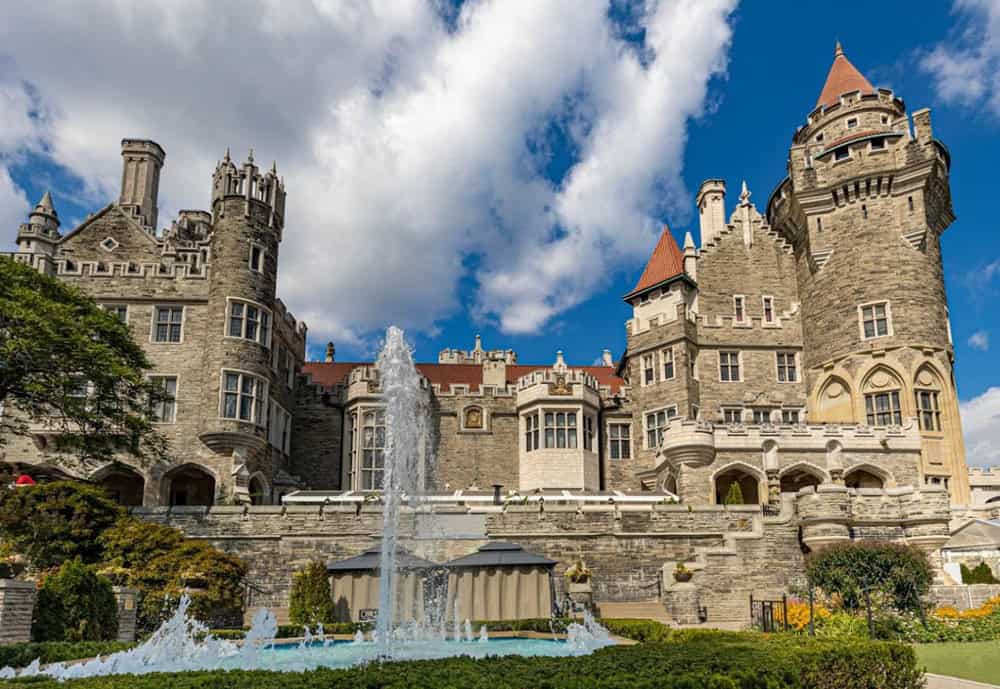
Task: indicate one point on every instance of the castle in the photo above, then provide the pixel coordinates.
(802, 353)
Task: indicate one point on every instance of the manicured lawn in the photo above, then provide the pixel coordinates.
(975, 660)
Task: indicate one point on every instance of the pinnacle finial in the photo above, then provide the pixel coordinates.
(838, 50)
(274, 167)
(227, 158)
(745, 193)
(688, 241)
(250, 157)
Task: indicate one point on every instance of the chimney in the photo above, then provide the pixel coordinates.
(690, 257)
(142, 160)
(331, 353)
(711, 201)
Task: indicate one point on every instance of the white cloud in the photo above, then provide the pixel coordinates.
(13, 205)
(402, 142)
(980, 340)
(966, 68)
(981, 426)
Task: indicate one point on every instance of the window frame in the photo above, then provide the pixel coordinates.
(532, 431)
(669, 412)
(647, 374)
(258, 398)
(728, 411)
(664, 363)
(261, 255)
(767, 306)
(786, 413)
(154, 322)
(159, 418)
(375, 450)
(873, 413)
(617, 440)
(570, 431)
(264, 323)
(588, 432)
(729, 366)
(114, 309)
(888, 319)
(783, 369)
(740, 309)
(934, 410)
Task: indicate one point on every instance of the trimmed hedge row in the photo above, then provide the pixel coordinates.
(20, 655)
(703, 661)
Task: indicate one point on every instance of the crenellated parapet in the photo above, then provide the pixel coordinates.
(264, 191)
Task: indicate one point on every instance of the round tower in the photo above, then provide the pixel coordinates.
(247, 217)
(41, 233)
(864, 205)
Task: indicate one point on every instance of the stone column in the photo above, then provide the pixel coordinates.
(681, 601)
(17, 601)
(126, 599)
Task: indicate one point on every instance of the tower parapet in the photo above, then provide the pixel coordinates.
(264, 192)
(142, 161)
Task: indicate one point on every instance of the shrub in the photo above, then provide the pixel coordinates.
(310, 600)
(735, 494)
(637, 630)
(707, 660)
(798, 614)
(51, 523)
(20, 655)
(75, 604)
(901, 572)
(980, 574)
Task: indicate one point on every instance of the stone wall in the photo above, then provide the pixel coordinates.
(964, 597)
(17, 600)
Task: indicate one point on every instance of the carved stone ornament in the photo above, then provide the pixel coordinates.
(560, 386)
(473, 417)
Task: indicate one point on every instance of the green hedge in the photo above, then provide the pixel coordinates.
(20, 655)
(705, 661)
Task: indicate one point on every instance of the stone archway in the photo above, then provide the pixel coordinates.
(259, 492)
(795, 478)
(863, 477)
(748, 481)
(124, 484)
(189, 484)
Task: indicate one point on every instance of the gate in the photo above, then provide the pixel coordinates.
(769, 615)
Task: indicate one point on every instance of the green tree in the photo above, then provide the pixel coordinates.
(901, 572)
(310, 601)
(54, 522)
(735, 494)
(75, 604)
(980, 574)
(65, 360)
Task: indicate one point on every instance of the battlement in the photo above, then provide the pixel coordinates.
(477, 355)
(985, 474)
(854, 101)
(558, 379)
(297, 327)
(266, 190)
(147, 271)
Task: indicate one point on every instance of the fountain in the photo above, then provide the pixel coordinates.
(183, 643)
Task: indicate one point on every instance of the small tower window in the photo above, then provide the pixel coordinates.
(768, 308)
(909, 203)
(885, 119)
(875, 320)
(819, 224)
(864, 211)
(842, 153)
(256, 258)
(852, 123)
(819, 138)
(739, 309)
(878, 144)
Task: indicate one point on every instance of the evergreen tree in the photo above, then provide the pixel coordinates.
(310, 601)
(735, 494)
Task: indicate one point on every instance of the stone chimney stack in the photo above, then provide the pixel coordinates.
(711, 202)
(141, 163)
(331, 353)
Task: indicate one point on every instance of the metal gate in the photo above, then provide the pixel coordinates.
(769, 615)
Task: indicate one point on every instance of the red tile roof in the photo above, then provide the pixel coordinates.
(666, 262)
(843, 78)
(446, 375)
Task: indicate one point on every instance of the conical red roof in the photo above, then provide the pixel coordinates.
(843, 78)
(665, 263)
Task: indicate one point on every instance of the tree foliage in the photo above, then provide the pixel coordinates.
(75, 604)
(980, 574)
(310, 601)
(901, 573)
(67, 362)
(53, 522)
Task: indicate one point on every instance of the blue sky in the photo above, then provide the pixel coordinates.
(497, 168)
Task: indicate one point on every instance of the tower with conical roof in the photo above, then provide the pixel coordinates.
(37, 238)
(864, 205)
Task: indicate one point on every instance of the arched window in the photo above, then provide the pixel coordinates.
(122, 483)
(259, 494)
(927, 398)
(748, 482)
(835, 401)
(670, 484)
(189, 485)
(795, 478)
(863, 478)
(883, 398)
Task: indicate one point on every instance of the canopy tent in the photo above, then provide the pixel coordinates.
(354, 584)
(500, 581)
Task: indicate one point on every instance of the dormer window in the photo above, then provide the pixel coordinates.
(852, 123)
(842, 153)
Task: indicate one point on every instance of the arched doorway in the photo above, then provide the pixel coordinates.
(259, 494)
(123, 484)
(796, 478)
(862, 478)
(749, 486)
(189, 485)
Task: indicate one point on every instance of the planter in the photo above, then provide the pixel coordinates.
(683, 577)
(583, 587)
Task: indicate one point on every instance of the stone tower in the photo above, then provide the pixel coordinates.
(248, 217)
(142, 161)
(864, 206)
(38, 237)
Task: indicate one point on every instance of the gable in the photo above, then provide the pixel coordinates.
(129, 241)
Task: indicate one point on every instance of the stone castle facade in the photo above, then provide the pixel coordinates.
(803, 345)
(802, 353)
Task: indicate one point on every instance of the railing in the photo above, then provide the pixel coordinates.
(763, 617)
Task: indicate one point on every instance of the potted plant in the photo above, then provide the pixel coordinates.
(682, 574)
(578, 576)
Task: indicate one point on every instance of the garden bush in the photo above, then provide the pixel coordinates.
(704, 661)
(901, 573)
(980, 574)
(310, 600)
(22, 654)
(54, 522)
(75, 604)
